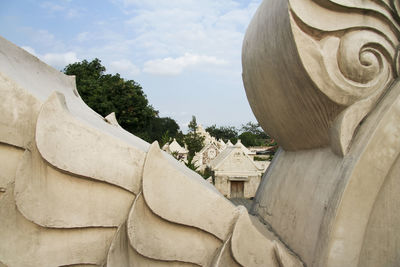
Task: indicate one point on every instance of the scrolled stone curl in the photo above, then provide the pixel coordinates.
(364, 65)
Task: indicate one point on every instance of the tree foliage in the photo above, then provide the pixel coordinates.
(192, 125)
(253, 135)
(224, 132)
(193, 140)
(160, 128)
(254, 128)
(106, 93)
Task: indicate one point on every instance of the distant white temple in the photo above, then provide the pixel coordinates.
(175, 148)
(235, 173)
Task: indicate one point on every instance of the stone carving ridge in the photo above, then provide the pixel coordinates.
(326, 86)
(52, 205)
(156, 189)
(338, 59)
(56, 128)
(158, 239)
(19, 113)
(18, 234)
(352, 60)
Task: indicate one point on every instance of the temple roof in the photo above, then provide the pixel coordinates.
(176, 147)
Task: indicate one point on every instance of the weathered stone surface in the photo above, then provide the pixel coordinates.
(322, 74)
(69, 178)
(57, 129)
(51, 198)
(111, 119)
(283, 98)
(284, 257)
(121, 254)
(10, 156)
(378, 137)
(326, 87)
(17, 65)
(224, 256)
(24, 243)
(384, 225)
(19, 113)
(158, 239)
(293, 197)
(262, 254)
(213, 213)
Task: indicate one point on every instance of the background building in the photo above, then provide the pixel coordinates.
(235, 174)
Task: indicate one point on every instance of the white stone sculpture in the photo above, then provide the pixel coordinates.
(78, 190)
(322, 79)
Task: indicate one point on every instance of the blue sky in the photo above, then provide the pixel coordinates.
(186, 54)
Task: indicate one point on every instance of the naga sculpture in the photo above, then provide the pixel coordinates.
(321, 77)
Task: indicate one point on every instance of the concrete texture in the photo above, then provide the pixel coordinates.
(325, 87)
(25, 243)
(323, 78)
(224, 256)
(116, 163)
(50, 206)
(166, 241)
(262, 253)
(213, 212)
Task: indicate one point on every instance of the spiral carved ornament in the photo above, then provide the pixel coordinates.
(338, 60)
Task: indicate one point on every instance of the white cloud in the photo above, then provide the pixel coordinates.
(52, 6)
(42, 38)
(61, 8)
(56, 60)
(59, 60)
(164, 30)
(124, 67)
(175, 66)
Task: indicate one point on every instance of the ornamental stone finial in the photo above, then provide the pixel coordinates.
(313, 69)
(322, 78)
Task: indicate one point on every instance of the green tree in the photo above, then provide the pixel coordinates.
(254, 128)
(159, 127)
(207, 172)
(106, 93)
(250, 139)
(165, 138)
(193, 141)
(192, 125)
(224, 132)
(180, 138)
(253, 135)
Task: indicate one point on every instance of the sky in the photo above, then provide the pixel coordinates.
(186, 54)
